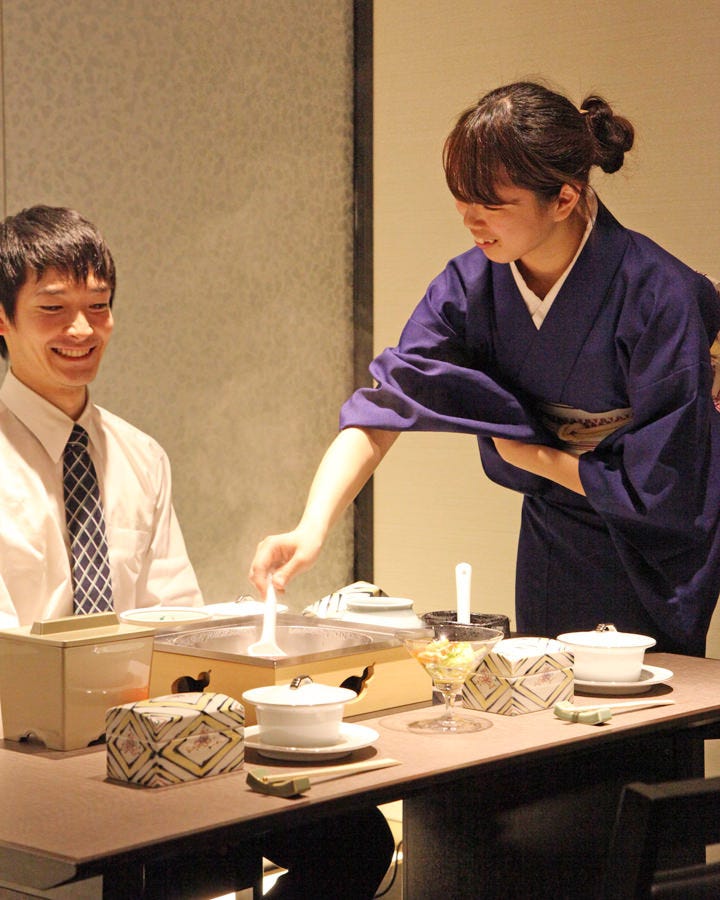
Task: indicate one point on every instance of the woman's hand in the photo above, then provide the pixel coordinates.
(283, 556)
(547, 462)
(346, 466)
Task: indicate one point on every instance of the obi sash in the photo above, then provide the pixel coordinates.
(578, 430)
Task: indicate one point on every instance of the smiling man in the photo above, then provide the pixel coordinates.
(57, 283)
(58, 335)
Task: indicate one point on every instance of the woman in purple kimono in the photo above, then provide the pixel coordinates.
(578, 353)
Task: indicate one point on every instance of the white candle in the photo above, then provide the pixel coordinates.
(463, 574)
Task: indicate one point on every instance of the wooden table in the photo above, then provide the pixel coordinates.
(523, 805)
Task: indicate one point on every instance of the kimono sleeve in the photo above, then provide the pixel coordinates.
(653, 482)
(439, 377)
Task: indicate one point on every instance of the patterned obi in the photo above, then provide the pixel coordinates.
(715, 358)
(715, 363)
(578, 430)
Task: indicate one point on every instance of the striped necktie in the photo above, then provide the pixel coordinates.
(92, 583)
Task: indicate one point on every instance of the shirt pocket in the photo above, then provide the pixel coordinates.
(128, 550)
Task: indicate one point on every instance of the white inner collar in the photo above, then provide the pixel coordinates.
(537, 307)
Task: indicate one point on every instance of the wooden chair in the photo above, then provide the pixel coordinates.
(659, 840)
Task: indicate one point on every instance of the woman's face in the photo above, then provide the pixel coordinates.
(523, 227)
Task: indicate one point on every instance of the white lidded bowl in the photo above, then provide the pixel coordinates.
(607, 655)
(306, 716)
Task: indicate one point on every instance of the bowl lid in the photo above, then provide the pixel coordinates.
(376, 604)
(609, 639)
(311, 694)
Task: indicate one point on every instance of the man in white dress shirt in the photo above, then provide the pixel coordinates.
(57, 281)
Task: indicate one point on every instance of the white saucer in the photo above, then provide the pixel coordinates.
(649, 676)
(352, 737)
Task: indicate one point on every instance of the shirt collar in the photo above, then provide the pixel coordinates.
(50, 425)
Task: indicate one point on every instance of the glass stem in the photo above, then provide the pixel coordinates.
(449, 696)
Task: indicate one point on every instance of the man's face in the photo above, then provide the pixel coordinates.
(59, 335)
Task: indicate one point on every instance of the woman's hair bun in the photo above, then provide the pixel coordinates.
(612, 135)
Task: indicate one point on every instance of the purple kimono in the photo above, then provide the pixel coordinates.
(626, 342)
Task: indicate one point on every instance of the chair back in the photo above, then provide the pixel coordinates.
(659, 840)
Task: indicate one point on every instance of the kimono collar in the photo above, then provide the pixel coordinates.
(539, 307)
(577, 305)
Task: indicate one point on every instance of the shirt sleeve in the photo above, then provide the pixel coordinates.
(167, 576)
(8, 613)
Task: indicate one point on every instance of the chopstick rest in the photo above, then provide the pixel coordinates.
(599, 713)
(291, 784)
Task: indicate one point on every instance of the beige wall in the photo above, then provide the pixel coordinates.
(211, 141)
(657, 62)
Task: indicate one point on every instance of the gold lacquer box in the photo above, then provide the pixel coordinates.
(58, 677)
(370, 660)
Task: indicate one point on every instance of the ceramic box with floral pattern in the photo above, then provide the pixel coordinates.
(521, 675)
(175, 738)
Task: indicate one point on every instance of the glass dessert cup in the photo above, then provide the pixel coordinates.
(449, 654)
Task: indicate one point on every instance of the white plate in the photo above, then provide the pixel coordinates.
(649, 676)
(352, 737)
(164, 615)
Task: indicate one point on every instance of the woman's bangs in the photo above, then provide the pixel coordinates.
(471, 172)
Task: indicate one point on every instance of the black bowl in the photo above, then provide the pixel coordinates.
(449, 616)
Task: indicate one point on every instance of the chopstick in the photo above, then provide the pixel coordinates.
(638, 704)
(348, 769)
